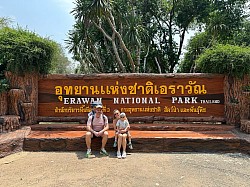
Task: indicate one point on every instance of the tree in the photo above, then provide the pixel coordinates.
(196, 46)
(144, 36)
(4, 22)
(96, 18)
(241, 36)
(137, 31)
(23, 51)
(225, 18)
(60, 63)
(4, 85)
(204, 40)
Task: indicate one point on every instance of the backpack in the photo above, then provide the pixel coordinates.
(91, 113)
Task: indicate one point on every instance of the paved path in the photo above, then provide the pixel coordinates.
(52, 169)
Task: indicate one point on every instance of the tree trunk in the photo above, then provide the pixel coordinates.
(3, 104)
(10, 123)
(247, 105)
(124, 47)
(29, 86)
(236, 103)
(16, 97)
(27, 109)
(233, 111)
(245, 126)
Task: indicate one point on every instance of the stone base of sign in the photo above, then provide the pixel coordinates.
(220, 138)
(182, 138)
(12, 142)
(157, 126)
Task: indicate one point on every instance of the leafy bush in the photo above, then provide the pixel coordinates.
(246, 88)
(225, 59)
(4, 85)
(22, 51)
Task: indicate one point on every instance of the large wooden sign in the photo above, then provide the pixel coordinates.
(169, 95)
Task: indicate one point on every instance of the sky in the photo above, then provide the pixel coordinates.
(47, 18)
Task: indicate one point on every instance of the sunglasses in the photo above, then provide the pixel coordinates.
(122, 117)
(116, 113)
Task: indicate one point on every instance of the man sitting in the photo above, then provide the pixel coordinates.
(97, 126)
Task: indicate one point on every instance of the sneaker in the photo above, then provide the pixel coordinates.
(88, 153)
(115, 144)
(119, 154)
(104, 152)
(130, 146)
(124, 155)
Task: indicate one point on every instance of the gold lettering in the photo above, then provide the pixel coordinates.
(68, 90)
(60, 98)
(94, 90)
(86, 89)
(133, 88)
(172, 88)
(149, 88)
(58, 90)
(78, 90)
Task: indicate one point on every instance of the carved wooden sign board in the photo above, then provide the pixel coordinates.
(170, 95)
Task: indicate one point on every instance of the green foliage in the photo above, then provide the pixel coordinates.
(22, 51)
(242, 37)
(225, 18)
(4, 85)
(204, 40)
(234, 100)
(153, 32)
(225, 59)
(148, 29)
(196, 46)
(246, 88)
(60, 63)
(4, 22)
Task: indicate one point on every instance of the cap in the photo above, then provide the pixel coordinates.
(98, 106)
(95, 103)
(122, 114)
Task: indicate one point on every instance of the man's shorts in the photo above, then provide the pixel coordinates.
(94, 136)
